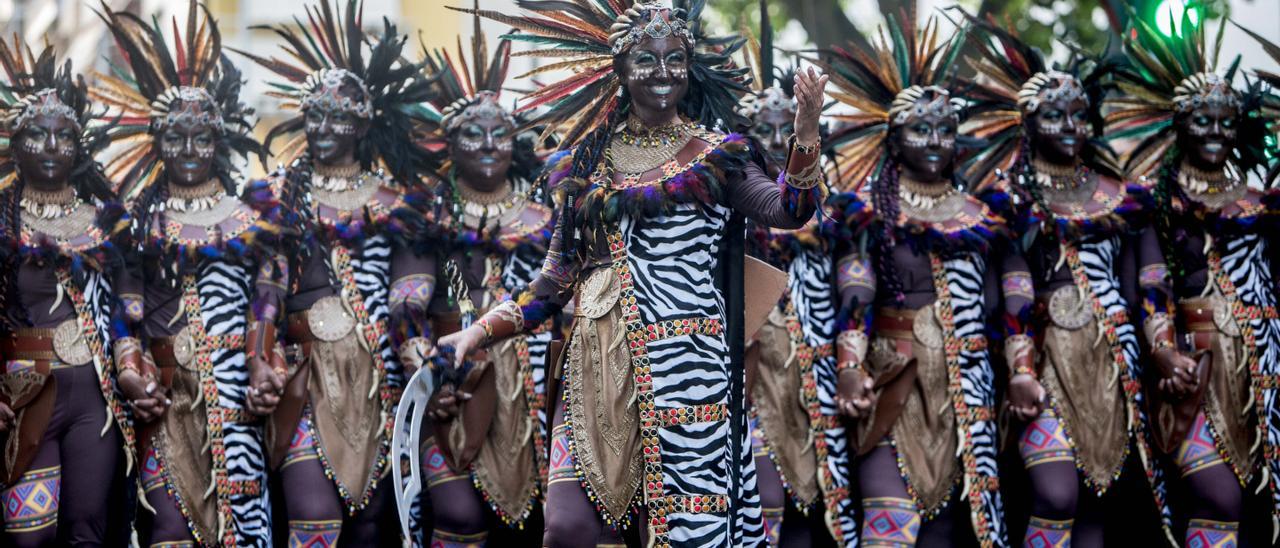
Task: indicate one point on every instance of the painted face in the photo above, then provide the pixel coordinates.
(187, 149)
(481, 149)
(925, 143)
(656, 73)
(772, 127)
(1207, 134)
(46, 150)
(1059, 130)
(332, 133)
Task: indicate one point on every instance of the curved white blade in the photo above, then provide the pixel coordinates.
(407, 433)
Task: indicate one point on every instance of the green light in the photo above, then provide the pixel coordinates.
(1169, 16)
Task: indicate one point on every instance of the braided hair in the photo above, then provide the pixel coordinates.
(10, 231)
(884, 195)
(586, 156)
(1165, 189)
(149, 209)
(1024, 174)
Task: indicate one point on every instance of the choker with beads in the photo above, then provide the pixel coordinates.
(923, 196)
(201, 197)
(1059, 177)
(337, 178)
(49, 204)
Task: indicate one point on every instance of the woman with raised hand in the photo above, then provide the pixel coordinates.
(652, 423)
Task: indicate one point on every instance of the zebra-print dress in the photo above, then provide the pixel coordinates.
(671, 260)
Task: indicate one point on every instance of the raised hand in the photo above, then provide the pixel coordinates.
(809, 89)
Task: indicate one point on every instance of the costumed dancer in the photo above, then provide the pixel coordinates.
(354, 279)
(919, 273)
(1078, 389)
(204, 287)
(488, 452)
(649, 241)
(61, 341)
(1210, 316)
(797, 439)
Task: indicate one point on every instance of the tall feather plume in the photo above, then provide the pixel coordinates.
(868, 80)
(577, 32)
(332, 37)
(1002, 65)
(1270, 107)
(458, 79)
(152, 69)
(1153, 66)
(25, 75)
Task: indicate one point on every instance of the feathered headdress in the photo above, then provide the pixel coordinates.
(466, 90)
(1168, 75)
(882, 85)
(1270, 111)
(1012, 81)
(162, 86)
(773, 88)
(585, 36)
(330, 51)
(35, 86)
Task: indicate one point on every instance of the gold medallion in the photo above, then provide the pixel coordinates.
(329, 320)
(1068, 310)
(184, 348)
(598, 293)
(69, 344)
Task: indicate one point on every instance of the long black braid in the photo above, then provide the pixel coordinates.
(11, 225)
(1024, 174)
(586, 156)
(147, 212)
(1165, 188)
(884, 196)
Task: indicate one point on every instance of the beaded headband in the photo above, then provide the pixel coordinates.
(1049, 87)
(484, 105)
(772, 99)
(904, 104)
(1204, 89)
(322, 90)
(41, 103)
(630, 28)
(198, 108)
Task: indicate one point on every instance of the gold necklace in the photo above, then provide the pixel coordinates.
(189, 199)
(636, 134)
(43, 204)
